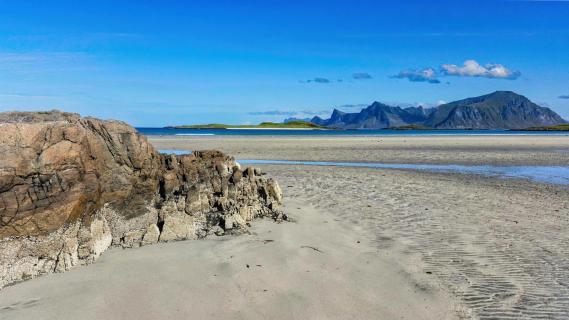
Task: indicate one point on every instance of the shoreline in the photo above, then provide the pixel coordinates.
(461, 150)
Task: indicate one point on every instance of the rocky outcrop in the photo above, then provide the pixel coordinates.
(70, 187)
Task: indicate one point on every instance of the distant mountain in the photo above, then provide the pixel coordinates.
(377, 115)
(498, 110)
(287, 120)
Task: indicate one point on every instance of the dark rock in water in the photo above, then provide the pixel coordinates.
(70, 187)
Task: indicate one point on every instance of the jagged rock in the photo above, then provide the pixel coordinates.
(181, 226)
(70, 187)
(94, 239)
(132, 239)
(217, 230)
(151, 235)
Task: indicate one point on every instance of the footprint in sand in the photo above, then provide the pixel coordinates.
(19, 305)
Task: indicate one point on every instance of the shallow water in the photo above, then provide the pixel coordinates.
(176, 152)
(544, 174)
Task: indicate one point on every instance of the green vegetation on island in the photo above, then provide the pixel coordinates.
(262, 125)
(559, 127)
(411, 127)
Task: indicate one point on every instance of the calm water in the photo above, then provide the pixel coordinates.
(543, 174)
(276, 132)
(177, 152)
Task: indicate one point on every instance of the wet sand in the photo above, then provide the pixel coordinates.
(390, 243)
(468, 150)
(498, 246)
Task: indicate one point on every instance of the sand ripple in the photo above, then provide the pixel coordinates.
(500, 246)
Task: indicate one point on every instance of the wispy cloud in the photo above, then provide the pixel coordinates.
(423, 75)
(272, 113)
(423, 104)
(356, 76)
(289, 113)
(39, 62)
(493, 33)
(27, 95)
(317, 80)
(471, 68)
(539, 0)
(73, 41)
(352, 106)
(13, 57)
(320, 80)
(314, 113)
(361, 76)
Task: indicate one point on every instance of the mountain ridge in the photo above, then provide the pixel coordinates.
(497, 110)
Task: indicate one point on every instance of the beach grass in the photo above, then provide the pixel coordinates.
(559, 127)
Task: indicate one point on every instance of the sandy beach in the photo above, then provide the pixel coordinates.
(500, 149)
(365, 243)
(313, 268)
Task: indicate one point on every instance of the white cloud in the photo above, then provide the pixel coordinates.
(471, 68)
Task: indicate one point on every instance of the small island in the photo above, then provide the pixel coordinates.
(296, 125)
(559, 127)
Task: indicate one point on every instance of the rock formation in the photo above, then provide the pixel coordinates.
(70, 187)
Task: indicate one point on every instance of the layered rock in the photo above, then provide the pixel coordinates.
(70, 187)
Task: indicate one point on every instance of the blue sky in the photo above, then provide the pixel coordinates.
(155, 63)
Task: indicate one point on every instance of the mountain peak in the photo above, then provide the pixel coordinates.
(505, 94)
(497, 110)
(337, 113)
(378, 104)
